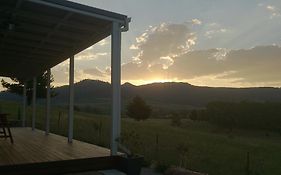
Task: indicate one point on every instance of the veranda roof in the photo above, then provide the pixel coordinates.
(38, 34)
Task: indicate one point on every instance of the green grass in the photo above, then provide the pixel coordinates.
(210, 150)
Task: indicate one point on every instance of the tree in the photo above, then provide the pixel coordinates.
(138, 109)
(41, 88)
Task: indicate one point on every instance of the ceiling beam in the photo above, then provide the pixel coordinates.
(29, 45)
(56, 27)
(54, 20)
(22, 56)
(23, 51)
(32, 28)
(53, 30)
(43, 38)
(85, 44)
(31, 42)
(38, 38)
(13, 15)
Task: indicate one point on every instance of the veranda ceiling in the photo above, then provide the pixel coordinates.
(38, 34)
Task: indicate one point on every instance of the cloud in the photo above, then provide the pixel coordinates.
(258, 66)
(214, 29)
(163, 41)
(88, 54)
(166, 52)
(273, 10)
(195, 64)
(61, 78)
(133, 47)
(213, 24)
(211, 33)
(196, 21)
(61, 73)
(103, 42)
(95, 72)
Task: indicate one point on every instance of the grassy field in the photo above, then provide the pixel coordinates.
(196, 145)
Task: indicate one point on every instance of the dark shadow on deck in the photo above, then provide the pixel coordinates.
(63, 166)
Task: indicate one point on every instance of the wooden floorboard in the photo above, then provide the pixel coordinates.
(35, 147)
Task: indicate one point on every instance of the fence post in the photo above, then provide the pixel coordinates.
(248, 163)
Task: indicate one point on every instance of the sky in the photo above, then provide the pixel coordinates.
(218, 43)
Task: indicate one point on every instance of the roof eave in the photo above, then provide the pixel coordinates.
(84, 10)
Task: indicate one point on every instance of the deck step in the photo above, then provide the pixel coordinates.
(111, 172)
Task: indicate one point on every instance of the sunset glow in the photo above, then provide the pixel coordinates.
(215, 48)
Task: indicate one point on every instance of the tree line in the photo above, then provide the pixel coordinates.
(247, 115)
(16, 86)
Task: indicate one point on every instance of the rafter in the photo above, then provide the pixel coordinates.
(88, 28)
(23, 52)
(13, 15)
(29, 45)
(38, 38)
(33, 28)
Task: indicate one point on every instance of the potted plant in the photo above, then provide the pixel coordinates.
(130, 162)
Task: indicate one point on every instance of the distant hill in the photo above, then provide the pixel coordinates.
(9, 96)
(88, 91)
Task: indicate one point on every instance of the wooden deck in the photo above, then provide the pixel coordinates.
(34, 146)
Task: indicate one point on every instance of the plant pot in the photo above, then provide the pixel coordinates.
(131, 165)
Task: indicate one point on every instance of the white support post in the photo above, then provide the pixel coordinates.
(116, 85)
(34, 103)
(71, 99)
(24, 105)
(48, 102)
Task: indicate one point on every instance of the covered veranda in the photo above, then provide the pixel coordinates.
(36, 35)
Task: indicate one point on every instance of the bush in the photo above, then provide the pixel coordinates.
(138, 109)
(176, 120)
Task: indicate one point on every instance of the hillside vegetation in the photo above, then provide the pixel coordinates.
(197, 145)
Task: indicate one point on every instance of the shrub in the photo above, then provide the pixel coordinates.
(138, 109)
(176, 120)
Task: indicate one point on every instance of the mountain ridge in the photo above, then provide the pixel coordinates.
(87, 91)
